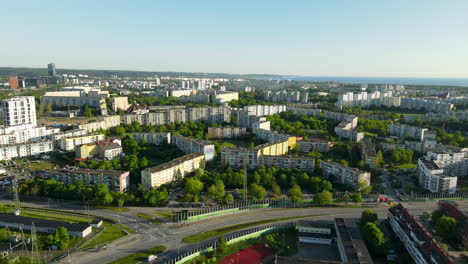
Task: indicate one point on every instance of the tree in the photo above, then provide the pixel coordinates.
(346, 198)
(435, 216)
(323, 198)
(119, 131)
(257, 191)
(228, 198)
(48, 107)
(356, 198)
(368, 216)
(295, 194)
(193, 186)
(276, 188)
(102, 195)
(62, 239)
(221, 246)
(447, 228)
(88, 112)
(374, 238)
(216, 191)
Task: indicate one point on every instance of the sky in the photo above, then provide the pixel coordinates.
(398, 38)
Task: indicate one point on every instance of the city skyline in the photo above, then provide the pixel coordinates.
(346, 38)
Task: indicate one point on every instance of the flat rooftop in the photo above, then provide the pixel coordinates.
(174, 162)
(343, 166)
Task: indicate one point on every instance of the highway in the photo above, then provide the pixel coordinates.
(150, 235)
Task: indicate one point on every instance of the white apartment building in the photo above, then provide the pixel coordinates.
(345, 175)
(433, 178)
(319, 145)
(7, 152)
(305, 111)
(70, 133)
(189, 145)
(425, 105)
(226, 132)
(153, 138)
(287, 97)
(120, 103)
(70, 143)
(170, 171)
(402, 130)
(13, 135)
(103, 123)
(19, 112)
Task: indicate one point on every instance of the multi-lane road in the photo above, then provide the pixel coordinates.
(150, 235)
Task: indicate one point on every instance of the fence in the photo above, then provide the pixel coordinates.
(440, 196)
(233, 237)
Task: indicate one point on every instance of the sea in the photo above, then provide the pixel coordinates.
(383, 80)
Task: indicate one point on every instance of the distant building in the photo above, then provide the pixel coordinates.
(419, 244)
(14, 83)
(319, 145)
(103, 123)
(345, 175)
(51, 69)
(271, 136)
(171, 171)
(402, 130)
(70, 143)
(118, 181)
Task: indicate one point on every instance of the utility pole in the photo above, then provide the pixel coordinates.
(16, 197)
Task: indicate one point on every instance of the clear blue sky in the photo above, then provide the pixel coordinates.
(416, 38)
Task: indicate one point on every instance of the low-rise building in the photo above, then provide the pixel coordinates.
(43, 226)
(316, 232)
(226, 132)
(8, 152)
(118, 181)
(189, 145)
(69, 143)
(170, 171)
(419, 244)
(156, 138)
(345, 175)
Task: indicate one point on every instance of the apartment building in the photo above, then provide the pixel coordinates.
(180, 115)
(69, 143)
(271, 136)
(310, 145)
(108, 149)
(249, 116)
(343, 130)
(345, 175)
(433, 178)
(419, 244)
(21, 134)
(70, 133)
(286, 97)
(171, 171)
(368, 154)
(305, 111)
(120, 103)
(425, 105)
(19, 112)
(226, 132)
(156, 138)
(118, 181)
(73, 98)
(287, 162)
(103, 123)
(455, 115)
(188, 145)
(402, 131)
(8, 152)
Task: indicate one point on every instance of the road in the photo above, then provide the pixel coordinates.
(150, 235)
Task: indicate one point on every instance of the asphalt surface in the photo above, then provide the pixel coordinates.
(150, 235)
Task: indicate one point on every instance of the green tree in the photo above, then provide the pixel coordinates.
(295, 194)
(368, 216)
(193, 186)
(276, 188)
(435, 216)
(48, 107)
(257, 191)
(374, 238)
(221, 245)
(216, 191)
(62, 239)
(88, 112)
(102, 195)
(356, 198)
(447, 228)
(228, 198)
(323, 198)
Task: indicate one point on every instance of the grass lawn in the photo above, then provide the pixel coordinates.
(37, 166)
(53, 216)
(140, 256)
(167, 215)
(150, 218)
(111, 233)
(224, 230)
(113, 208)
(128, 229)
